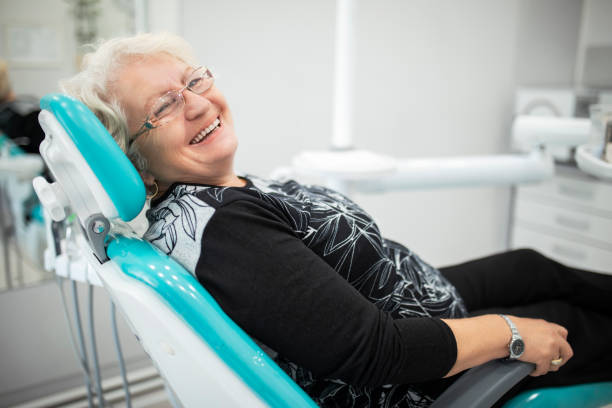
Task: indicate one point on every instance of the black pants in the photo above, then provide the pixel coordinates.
(525, 283)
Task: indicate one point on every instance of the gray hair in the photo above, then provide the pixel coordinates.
(93, 84)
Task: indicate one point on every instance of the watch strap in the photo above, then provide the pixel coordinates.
(516, 338)
(512, 326)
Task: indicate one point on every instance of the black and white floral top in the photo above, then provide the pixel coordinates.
(352, 317)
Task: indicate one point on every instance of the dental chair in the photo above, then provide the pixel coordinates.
(206, 359)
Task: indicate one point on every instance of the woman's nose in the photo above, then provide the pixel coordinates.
(195, 105)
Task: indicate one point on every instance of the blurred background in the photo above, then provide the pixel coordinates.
(432, 79)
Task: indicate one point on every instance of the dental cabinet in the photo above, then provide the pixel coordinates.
(568, 218)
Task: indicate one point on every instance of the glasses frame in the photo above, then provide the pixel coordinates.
(147, 124)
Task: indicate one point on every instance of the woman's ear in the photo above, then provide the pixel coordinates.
(147, 178)
(150, 185)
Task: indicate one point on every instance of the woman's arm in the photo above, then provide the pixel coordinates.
(483, 338)
(287, 297)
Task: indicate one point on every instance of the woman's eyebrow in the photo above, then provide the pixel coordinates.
(151, 99)
(154, 97)
(188, 70)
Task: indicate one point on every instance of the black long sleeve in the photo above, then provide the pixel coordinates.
(284, 295)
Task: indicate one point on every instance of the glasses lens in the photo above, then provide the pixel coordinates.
(200, 80)
(165, 107)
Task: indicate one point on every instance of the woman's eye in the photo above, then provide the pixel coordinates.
(195, 82)
(162, 109)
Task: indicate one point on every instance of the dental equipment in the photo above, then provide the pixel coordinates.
(358, 170)
(347, 169)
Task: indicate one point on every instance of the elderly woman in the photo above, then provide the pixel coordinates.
(355, 319)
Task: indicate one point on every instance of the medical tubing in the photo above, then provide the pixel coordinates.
(20, 279)
(128, 400)
(60, 282)
(82, 351)
(94, 349)
(5, 237)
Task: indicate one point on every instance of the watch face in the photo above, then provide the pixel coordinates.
(517, 347)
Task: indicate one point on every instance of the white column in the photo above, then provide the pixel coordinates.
(343, 77)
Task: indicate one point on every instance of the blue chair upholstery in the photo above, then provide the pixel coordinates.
(183, 293)
(595, 395)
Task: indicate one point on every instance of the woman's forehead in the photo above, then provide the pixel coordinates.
(147, 79)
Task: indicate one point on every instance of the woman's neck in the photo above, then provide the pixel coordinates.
(231, 180)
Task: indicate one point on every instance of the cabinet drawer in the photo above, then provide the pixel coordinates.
(591, 227)
(589, 193)
(565, 251)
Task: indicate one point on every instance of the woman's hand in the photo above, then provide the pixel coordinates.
(484, 338)
(544, 342)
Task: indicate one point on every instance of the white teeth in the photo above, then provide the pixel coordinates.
(205, 132)
(212, 126)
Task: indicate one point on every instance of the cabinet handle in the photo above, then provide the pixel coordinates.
(573, 223)
(569, 252)
(576, 192)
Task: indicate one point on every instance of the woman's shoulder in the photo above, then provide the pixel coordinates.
(178, 219)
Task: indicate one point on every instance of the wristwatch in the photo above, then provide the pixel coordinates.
(516, 346)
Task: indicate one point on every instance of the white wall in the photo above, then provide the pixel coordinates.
(547, 41)
(597, 29)
(442, 84)
(37, 79)
(274, 63)
(34, 79)
(594, 62)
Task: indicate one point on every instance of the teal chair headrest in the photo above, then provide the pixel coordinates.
(109, 164)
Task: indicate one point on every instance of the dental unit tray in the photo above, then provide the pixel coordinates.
(588, 158)
(202, 354)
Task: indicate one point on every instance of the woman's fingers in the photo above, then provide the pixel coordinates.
(563, 356)
(565, 353)
(545, 345)
(553, 361)
(561, 330)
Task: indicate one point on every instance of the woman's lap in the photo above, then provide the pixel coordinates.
(524, 283)
(523, 277)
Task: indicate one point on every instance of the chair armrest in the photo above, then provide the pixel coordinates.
(482, 386)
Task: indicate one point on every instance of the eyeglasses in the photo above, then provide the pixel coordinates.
(169, 105)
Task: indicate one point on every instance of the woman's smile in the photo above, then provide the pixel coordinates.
(208, 133)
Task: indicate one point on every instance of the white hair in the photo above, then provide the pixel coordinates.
(94, 83)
